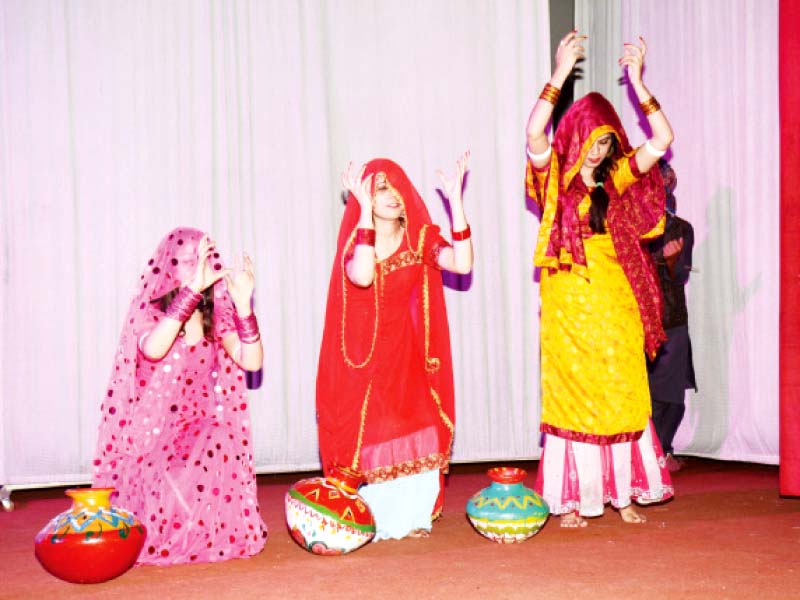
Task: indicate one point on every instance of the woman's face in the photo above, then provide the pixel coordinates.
(598, 151)
(387, 203)
(186, 255)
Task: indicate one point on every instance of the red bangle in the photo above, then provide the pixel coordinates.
(365, 236)
(464, 234)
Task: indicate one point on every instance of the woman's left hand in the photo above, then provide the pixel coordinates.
(633, 59)
(241, 282)
(453, 187)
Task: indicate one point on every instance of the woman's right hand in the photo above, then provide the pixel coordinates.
(570, 50)
(360, 187)
(205, 275)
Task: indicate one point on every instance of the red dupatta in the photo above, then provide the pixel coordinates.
(633, 217)
(354, 335)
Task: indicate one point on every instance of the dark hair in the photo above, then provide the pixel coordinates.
(206, 307)
(599, 209)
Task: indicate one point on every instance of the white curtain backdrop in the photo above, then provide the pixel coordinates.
(122, 119)
(601, 20)
(713, 66)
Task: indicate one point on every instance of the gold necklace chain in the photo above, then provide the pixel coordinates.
(377, 283)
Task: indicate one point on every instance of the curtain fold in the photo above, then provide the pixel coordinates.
(601, 20)
(725, 63)
(713, 66)
(121, 120)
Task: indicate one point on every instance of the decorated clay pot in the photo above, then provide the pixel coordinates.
(326, 515)
(507, 511)
(91, 542)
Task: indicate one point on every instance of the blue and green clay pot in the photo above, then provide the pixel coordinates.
(507, 512)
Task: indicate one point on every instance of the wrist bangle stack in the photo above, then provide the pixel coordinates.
(183, 305)
(365, 236)
(464, 234)
(247, 328)
(550, 94)
(650, 106)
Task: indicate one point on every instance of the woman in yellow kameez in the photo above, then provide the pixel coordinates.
(601, 306)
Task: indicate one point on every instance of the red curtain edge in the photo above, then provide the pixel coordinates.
(789, 244)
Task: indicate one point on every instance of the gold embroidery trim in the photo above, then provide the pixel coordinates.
(432, 363)
(443, 415)
(361, 425)
(404, 259)
(413, 466)
(375, 285)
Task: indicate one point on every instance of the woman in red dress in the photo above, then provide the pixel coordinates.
(385, 402)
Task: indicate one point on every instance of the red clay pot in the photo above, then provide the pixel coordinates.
(91, 542)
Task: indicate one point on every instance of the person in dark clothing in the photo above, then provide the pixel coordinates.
(672, 371)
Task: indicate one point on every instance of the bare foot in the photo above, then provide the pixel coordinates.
(673, 464)
(573, 520)
(631, 515)
(420, 533)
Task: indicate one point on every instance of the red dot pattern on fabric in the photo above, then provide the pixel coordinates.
(175, 425)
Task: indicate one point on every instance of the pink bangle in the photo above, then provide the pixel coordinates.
(365, 236)
(247, 328)
(183, 305)
(462, 235)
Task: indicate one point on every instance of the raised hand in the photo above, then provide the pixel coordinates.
(359, 186)
(205, 275)
(632, 59)
(672, 249)
(570, 50)
(453, 187)
(241, 282)
(459, 257)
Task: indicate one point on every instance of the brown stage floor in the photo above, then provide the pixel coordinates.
(727, 534)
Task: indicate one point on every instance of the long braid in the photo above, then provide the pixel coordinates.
(600, 199)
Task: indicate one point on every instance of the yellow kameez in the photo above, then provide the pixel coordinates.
(594, 378)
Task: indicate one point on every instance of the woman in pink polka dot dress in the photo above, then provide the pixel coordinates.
(175, 435)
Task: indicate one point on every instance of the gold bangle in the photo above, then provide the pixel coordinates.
(650, 106)
(550, 94)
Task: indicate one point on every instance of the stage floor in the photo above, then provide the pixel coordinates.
(726, 534)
